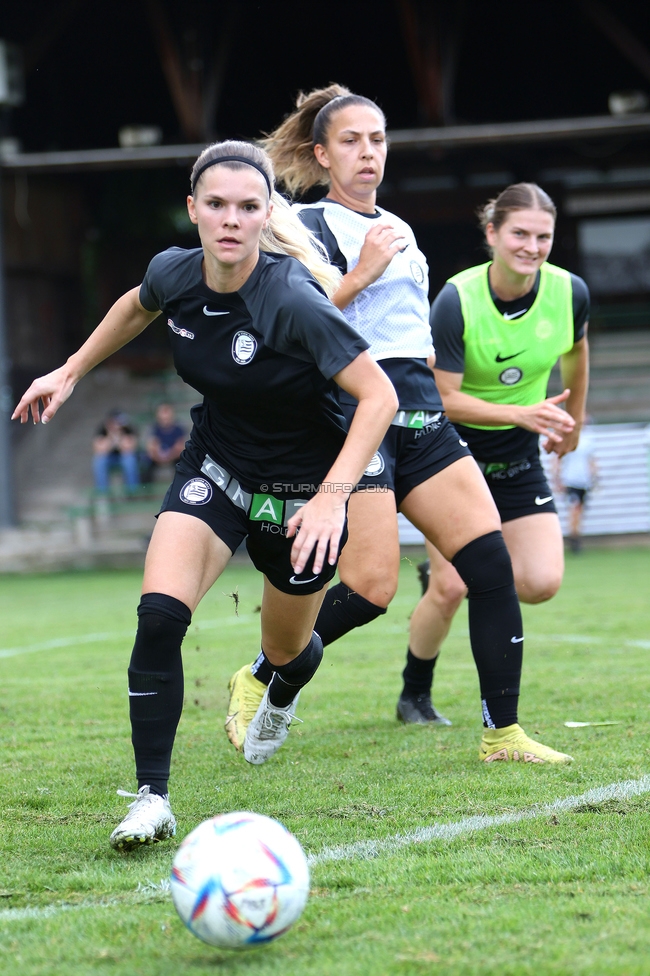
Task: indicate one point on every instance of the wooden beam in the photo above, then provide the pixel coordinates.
(423, 52)
(185, 91)
(620, 36)
(446, 137)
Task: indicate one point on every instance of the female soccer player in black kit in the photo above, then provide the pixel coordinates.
(422, 467)
(251, 329)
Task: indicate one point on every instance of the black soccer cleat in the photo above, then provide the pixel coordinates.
(424, 573)
(419, 710)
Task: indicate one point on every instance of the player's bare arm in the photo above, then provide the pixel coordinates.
(124, 321)
(380, 247)
(574, 366)
(545, 418)
(321, 519)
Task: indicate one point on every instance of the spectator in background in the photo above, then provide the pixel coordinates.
(115, 446)
(576, 474)
(166, 440)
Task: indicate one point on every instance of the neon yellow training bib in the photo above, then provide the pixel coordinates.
(510, 360)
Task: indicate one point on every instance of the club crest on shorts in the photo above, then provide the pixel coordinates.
(375, 467)
(244, 347)
(417, 272)
(510, 376)
(198, 491)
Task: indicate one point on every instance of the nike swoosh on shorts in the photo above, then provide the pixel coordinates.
(516, 640)
(543, 501)
(298, 582)
(206, 311)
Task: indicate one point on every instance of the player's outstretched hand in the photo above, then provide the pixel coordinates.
(321, 523)
(51, 391)
(565, 444)
(381, 244)
(548, 419)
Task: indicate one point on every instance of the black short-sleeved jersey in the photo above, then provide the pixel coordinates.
(447, 330)
(263, 358)
(392, 312)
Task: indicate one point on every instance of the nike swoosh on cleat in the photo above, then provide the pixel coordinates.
(298, 582)
(516, 640)
(206, 311)
(514, 315)
(543, 501)
(504, 359)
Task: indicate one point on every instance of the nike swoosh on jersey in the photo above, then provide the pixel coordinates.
(298, 582)
(543, 501)
(514, 315)
(462, 443)
(503, 359)
(516, 640)
(206, 311)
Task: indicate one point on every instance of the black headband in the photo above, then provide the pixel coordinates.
(231, 159)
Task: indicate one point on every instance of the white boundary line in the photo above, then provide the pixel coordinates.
(246, 618)
(57, 642)
(369, 849)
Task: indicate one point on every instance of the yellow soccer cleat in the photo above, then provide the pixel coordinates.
(512, 744)
(246, 693)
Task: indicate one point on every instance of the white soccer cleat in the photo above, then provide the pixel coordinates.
(268, 730)
(149, 820)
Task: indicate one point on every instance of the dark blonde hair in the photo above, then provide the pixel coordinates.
(517, 196)
(291, 145)
(285, 233)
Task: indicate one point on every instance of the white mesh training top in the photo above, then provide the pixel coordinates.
(392, 314)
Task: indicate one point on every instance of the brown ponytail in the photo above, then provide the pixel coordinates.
(291, 145)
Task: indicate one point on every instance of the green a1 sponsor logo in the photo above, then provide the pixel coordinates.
(417, 419)
(266, 508)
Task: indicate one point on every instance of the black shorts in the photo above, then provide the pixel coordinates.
(576, 495)
(518, 487)
(260, 521)
(408, 456)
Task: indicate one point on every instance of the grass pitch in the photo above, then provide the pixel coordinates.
(565, 893)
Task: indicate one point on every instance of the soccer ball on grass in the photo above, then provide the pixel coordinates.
(239, 880)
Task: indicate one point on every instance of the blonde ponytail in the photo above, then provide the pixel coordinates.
(285, 233)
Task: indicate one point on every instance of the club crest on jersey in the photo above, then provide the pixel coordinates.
(244, 347)
(181, 332)
(198, 491)
(375, 467)
(417, 272)
(510, 376)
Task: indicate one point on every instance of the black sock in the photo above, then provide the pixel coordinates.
(417, 675)
(495, 626)
(262, 669)
(156, 686)
(343, 610)
(290, 678)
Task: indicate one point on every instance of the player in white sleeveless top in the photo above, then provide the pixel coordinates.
(422, 467)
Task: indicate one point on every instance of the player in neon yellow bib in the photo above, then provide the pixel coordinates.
(499, 328)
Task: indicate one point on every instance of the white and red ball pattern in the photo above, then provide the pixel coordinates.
(239, 880)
